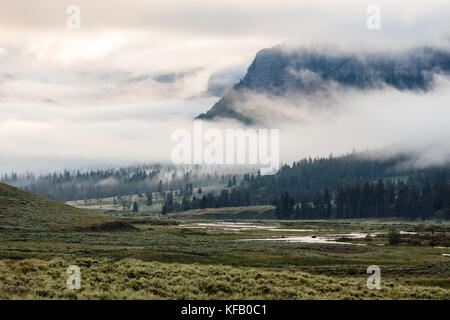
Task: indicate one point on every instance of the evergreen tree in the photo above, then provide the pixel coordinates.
(305, 211)
(204, 203)
(135, 207)
(327, 203)
(168, 203)
(427, 202)
(185, 204)
(149, 199)
(297, 212)
(194, 203)
(340, 203)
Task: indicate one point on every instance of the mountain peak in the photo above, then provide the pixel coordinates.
(280, 70)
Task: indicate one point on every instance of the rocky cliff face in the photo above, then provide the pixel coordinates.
(278, 71)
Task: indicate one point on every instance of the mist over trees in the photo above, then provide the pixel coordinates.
(350, 186)
(343, 187)
(101, 183)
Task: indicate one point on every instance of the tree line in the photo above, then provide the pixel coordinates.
(103, 183)
(234, 197)
(372, 200)
(352, 186)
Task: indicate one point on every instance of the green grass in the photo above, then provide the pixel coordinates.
(134, 279)
(171, 259)
(237, 213)
(113, 206)
(20, 210)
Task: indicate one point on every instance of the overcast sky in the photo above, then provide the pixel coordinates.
(114, 89)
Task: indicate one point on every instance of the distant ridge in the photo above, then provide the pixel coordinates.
(23, 211)
(280, 70)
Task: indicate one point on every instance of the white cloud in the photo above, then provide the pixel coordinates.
(95, 93)
(385, 119)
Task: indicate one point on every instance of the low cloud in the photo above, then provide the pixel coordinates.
(223, 80)
(339, 120)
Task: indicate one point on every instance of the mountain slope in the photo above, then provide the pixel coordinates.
(279, 70)
(23, 211)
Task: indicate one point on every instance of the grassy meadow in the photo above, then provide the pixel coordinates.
(136, 279)
(232, 253)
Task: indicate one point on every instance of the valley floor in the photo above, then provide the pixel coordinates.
(209, 259)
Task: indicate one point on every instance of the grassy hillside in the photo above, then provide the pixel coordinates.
(23, 211)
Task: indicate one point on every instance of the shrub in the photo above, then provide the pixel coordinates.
(394, 237)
